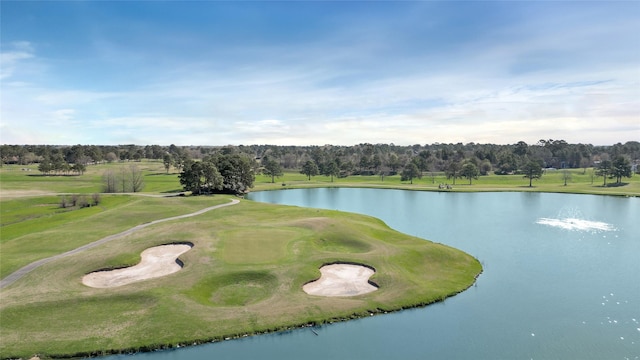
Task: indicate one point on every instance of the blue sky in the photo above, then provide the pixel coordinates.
(314, 73)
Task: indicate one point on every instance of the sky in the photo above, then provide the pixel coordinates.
(319, 72)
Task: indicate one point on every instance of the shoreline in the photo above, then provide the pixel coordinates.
(230, 337)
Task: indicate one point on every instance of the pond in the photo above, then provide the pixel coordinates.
(560, 281)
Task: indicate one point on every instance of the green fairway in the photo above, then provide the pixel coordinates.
(15, 181)
(580, 182)
(34, 228)
(241, 277)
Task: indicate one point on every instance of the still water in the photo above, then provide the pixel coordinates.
(561, 280)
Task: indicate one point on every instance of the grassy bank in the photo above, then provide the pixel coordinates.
(580, 182)
(14, 182)
(243, 276)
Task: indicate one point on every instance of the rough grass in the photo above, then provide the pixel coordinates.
(232, 282)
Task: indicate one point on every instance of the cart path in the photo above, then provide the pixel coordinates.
(13, 277)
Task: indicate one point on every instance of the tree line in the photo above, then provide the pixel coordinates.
(456, 161)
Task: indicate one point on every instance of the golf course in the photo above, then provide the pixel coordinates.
(241, 274)
(239, 270)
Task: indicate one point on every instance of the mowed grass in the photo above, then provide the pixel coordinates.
(34, 228)
(244, 275)
(14, 181)
(580, 182)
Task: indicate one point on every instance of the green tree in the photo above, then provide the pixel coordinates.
(79, 168)
(532, 170)
(331, 169)
(507, 163)
(485, 167)
(212, 178)
(45, 166)
(237, 172)
(470, 171)
(605, 168)
(410, 172)
(453, 171)
(272, 168)
(310, 169)
(191, 177)
(620, 167)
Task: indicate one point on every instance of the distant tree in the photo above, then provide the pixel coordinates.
(191, 178)
(376, 163)
(122, 179)
(605, 168)
(620, 167)
(383, 170)
(507, 163)
(532, 170)
(453, 171)
(45, 166)
(410, 172)
(236, 171)
(364, 164)
(346, 168)
(393, 163)
(167, 160)
(470, 171)
(485, 167)
(111, 157)
(520, 148)
(136, 178)
(310, 169)
(566, 176)
(95, 199)
(64, 203)
(109, 182)
(213, 180)
(331, 169)
(79, 168)
(272, 168)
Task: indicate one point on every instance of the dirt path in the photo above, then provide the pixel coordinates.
(13, 277)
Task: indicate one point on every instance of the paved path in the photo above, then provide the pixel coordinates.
(13, 277)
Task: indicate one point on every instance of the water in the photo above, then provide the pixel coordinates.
(560, 281)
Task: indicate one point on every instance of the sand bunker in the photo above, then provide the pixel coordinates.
(341, 280)
(156, 261)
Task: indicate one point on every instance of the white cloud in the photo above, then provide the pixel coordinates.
(544, 78)
(11, 59)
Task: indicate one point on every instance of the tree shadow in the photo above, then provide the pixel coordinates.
(613, 185)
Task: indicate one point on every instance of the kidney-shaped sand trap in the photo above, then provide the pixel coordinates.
(156, 261)
(341, 280)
